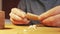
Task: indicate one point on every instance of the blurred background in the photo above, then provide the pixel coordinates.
(0, 4)
(6, 6)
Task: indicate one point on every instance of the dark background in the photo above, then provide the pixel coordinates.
(7, 5)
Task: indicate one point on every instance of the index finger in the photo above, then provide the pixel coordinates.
(51, 12)
(18, 12)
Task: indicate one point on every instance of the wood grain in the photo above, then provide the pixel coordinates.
(2, 19)
(13, 29)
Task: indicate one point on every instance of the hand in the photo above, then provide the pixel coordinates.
(51, 17)
(17, 16)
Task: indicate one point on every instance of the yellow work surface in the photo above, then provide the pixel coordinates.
(12, 29)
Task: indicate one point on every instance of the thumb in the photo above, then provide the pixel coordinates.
(51, 12)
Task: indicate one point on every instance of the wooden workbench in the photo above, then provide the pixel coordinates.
(12, 29)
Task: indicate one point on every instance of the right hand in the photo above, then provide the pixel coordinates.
(17, 16)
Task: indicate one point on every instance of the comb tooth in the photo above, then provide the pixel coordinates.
(2, 19)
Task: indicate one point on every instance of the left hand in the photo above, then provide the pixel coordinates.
(51, 17)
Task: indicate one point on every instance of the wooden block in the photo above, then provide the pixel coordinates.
(32, 16)
(2, 19)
